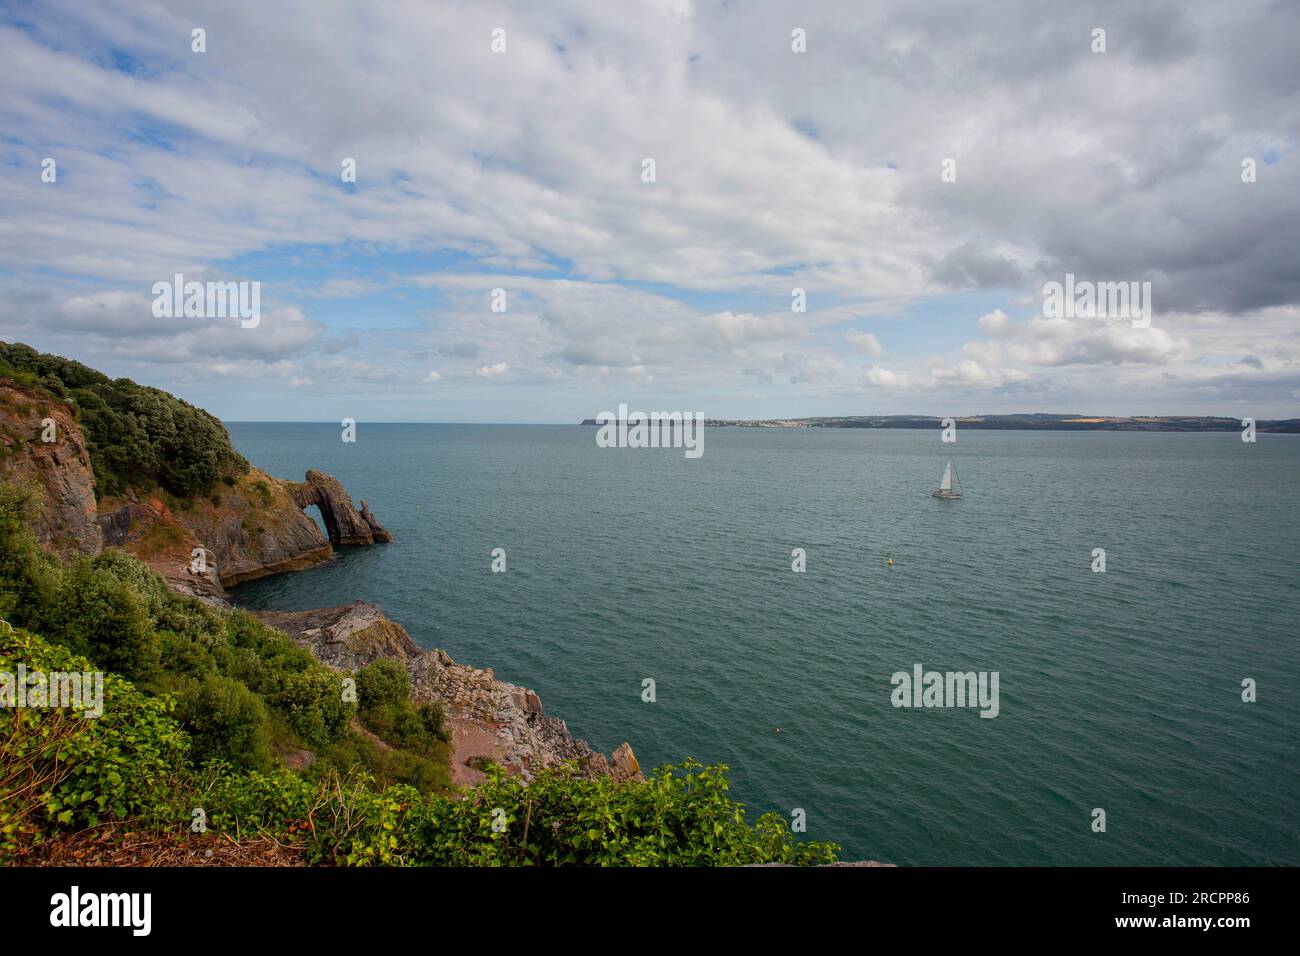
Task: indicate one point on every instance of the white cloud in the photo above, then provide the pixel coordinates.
(522, 171)
(884, 378)
(994, 323)
(864, 342)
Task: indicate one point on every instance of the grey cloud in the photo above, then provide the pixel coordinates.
(970, 266)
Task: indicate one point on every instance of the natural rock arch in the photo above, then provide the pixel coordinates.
(343, 523)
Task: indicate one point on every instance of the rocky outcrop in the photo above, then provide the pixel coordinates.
(245, 530)
(248, 527)
(343, 522)
(489, 719)
(345, 638)
(380, 533)
(624, 765)
(41, 441)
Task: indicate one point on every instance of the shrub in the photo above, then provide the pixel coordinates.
(137, 436)
(226, 721)
(72, 770)
(383, 682)
(682, 816)
(28, 577)
(312, 702)
(106, 619)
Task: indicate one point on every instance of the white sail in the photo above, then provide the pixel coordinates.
(946, 484)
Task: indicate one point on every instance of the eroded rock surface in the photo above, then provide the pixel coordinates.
(489, 719)
(344, 523)
(247, 527)
(61, 468)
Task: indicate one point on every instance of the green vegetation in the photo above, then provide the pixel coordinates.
(241, 692)
(682, 816)
(138, 437)
(200, 706)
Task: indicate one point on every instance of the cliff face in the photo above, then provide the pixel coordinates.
(67, 521)
(246, 529)
(488, 718)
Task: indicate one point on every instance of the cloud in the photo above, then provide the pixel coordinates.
(864, 342)
(971, 266)
(884, 378)
(499, 370)
(994, 323)
(521, 171)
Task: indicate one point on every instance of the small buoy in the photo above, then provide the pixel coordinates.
(778, 730)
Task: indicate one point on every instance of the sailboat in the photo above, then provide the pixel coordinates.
(945, 489)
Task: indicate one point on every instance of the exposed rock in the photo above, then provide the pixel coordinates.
(343, 522)
(66, 523)
(489, 719)
(298, 759)
(345, 638)
(245, 531)
(380, 533)
(625, 766)
(248, 527)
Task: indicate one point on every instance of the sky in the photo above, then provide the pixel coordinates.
(919, 170)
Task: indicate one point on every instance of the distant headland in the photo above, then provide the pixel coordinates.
(1039, 421)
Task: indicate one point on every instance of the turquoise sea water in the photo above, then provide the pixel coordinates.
(1119, 690)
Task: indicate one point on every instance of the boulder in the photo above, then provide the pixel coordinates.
(625, 766)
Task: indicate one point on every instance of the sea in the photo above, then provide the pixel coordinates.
(1147, 714)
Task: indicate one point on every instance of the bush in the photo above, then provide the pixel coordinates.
(226, 721)
(312, 702)
(137, 436)
(388, 766)
(68, 769)
(680, 817)
(383, 682)
(28, 577)
(107, 620)
(278, 655)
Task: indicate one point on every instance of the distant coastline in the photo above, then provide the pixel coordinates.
(1038, 421)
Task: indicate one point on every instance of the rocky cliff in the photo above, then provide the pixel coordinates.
(489, 719)
(250, 526)
(41, 441)
(245, 531)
